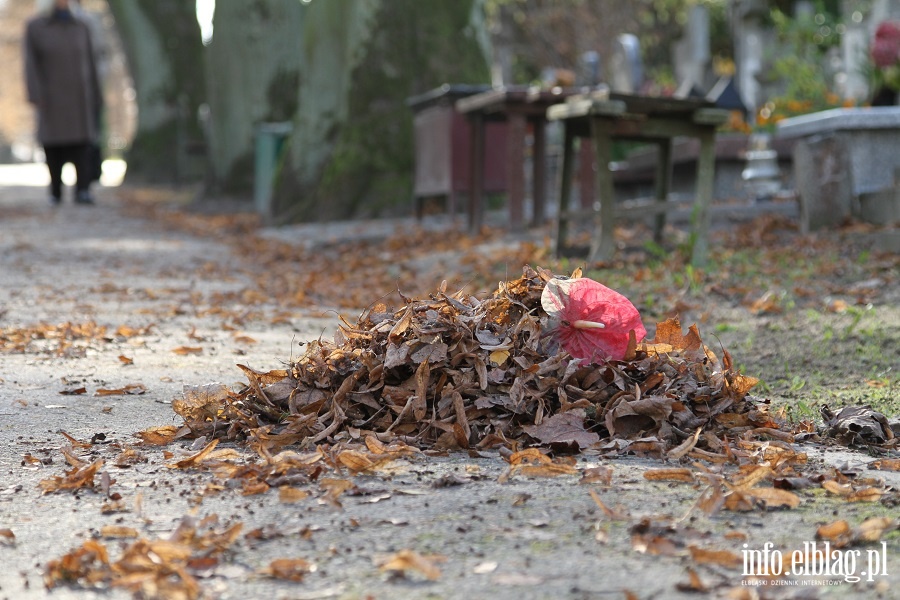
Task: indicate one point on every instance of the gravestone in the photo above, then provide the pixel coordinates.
(752, 38)
(841, 156)
(627, 70)
(692, 52)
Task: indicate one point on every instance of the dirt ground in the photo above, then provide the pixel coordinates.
(107, 313)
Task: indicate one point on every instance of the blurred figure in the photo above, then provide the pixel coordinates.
(63, 85)
(101, 49)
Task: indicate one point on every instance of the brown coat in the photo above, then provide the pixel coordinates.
(61, 79)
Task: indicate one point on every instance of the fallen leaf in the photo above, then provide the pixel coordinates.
(684, 447)
(565, 429)
(857, 426)
(694, 584)
(498, 357)
(711, 500)
(7, 537)
(601, 475)
(132, 389)
(158, 436)
(725, 558)
(839, 489)
(871, 530)
(334, 488)
(885, 464)
(183, 350)
(118, 531)
(289, 495)
(775, 498)
(194, 459)
(289, 569)
(485, 568)
(866, 494)
(409, 560)
(612, 514)
(833, 531)
(77, 391)
(77, 478)
(685, 475)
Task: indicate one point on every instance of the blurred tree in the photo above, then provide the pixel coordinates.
(537, 34)
(253, 75)
(530, 35)
(162, 43)
(351, 151)
(338, 71)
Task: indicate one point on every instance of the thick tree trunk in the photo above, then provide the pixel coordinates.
(253, 76)
(351, 151)
(338, 72)
(164, 51)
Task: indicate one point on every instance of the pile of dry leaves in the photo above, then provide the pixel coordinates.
(454, 371)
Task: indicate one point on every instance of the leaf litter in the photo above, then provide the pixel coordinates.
(423, 374)
(453, 372)
(327, 415)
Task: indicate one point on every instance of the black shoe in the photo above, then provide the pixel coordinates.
(55, 200)
(84, 198)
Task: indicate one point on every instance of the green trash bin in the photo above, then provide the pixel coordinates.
(270, 138)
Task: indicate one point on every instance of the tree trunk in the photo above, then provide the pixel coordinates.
(164, 51)
(351, 150)
(253, 76)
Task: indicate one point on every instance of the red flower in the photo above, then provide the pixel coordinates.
(886, 45)
(590, 320)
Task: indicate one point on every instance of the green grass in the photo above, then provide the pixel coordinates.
(785, 310)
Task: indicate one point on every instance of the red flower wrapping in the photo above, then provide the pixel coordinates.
(590, 320)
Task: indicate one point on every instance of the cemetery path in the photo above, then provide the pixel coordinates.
(107, 313)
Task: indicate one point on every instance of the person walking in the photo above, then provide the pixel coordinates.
(101, 49)
(63, 85)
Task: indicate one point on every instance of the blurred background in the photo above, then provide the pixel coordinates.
(192, 87)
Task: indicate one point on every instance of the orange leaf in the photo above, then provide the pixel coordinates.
(158, 436)
(775, 498)
(132, 389)
(289, 569)
(872, 529)
(118, 531)
(529, 456)
(552, 470)
(183, 350)
(840, 489)
(355, 461)
(194, 459)
(408, 560)
(726, 558)
(684, 447)
(886, 464)
(82, 477)
(867, 494)
(289, 495)
(832, 531)
(685, 475)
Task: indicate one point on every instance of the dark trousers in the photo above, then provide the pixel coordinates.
(80, 157)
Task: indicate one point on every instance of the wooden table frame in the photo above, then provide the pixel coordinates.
(654, 120)
(519, 106)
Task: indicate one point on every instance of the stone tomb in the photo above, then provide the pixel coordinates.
(845, 165)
